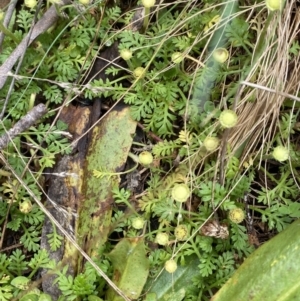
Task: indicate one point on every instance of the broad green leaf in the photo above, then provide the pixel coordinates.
(131, 268)
(271, 273)
(179, 282)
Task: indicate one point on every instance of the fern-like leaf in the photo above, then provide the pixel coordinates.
(165, 148)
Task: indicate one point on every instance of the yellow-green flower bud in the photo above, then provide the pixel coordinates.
(162, 239)
(180, 192)
(181, 232)
(170, 266)
(280, 153)
(228, 119)
(275, 4)
(220, 55)
(1, 15)
(236, 215)
(126, 54)
(84, 2)
(177, 57)
(148, 3)
(139, 72)
(30, 3)
(138, 223)
(56, 1)
(211, 143)
(25, 206)
(145, 158)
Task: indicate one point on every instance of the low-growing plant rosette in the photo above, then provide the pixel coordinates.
(180, 192)
(236, 215)
(228, 119)
(280, 153)
(181, 232)
(177, 57)
(170, 266)
(220, 55)
(145, 158)
(138, 223)
(162, 238)
(25, 206)
(126, 54)
(211, 143)
(139, 72)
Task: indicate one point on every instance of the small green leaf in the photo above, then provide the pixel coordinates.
(94, 298)
(45, 297)
(20, 282)
(30, 297)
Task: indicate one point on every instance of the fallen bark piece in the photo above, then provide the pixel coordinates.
(66, 192)
(108, 152)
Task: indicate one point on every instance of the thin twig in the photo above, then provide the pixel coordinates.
(10, 248)
(24, 123)
(7, 17)
(4, 226)
(287, 95)
(48, 19)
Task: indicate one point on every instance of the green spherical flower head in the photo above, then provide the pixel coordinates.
(181, 232)
(177, 57)
(84, 2)
(220, 55)
(138, 223)
(162, 238)
(236, 215)
(30, 3)
(280, 153)
(170, 266)
(148, 3)
(2, 14)
(25, 207)
(145, 158)
(211, 143)
(275, 4)
(139, 72)
(180, 192)
(126, 54)
(228, 119)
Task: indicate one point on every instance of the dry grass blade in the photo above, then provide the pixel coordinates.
(23, 124)
(273, 70)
